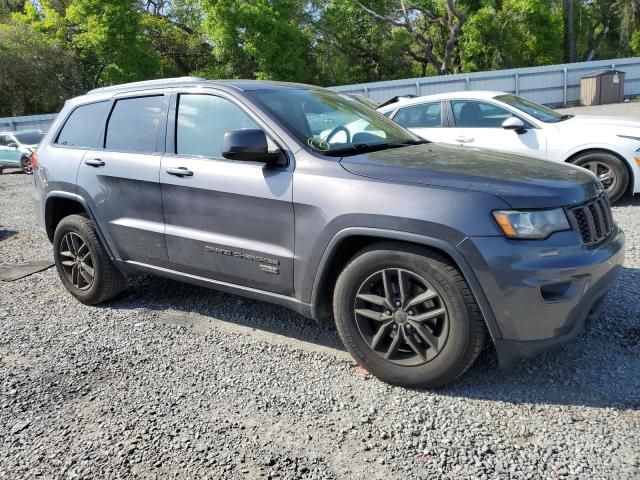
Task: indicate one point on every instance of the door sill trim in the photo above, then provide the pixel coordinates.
(292, 303)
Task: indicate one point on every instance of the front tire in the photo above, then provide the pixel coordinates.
(25, 165)
(408, 316)
(83, 264)
(610, 170)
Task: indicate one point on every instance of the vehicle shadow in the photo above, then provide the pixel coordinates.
(5, 234)
(601, 368)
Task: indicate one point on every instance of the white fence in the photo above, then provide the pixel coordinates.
(551, 85)
(39, 122)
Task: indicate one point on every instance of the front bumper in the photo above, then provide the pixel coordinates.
(541, 292)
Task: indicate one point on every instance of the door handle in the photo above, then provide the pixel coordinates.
(94, 162)
(464, 139)
(180, 172)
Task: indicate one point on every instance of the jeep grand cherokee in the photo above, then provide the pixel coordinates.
(416, 250)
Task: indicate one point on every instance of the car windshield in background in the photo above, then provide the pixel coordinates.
(29, 138)
(332, 124)
(542, 113)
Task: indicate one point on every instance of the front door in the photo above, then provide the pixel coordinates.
(228, 220)
(120, 178)
(479, 124)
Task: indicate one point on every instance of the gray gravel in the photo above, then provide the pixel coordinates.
(628, 110)
(175, 381)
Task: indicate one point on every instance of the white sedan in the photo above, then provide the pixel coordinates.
(609, 147)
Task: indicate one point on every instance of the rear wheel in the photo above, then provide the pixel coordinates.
(610, 170)
(25, 165)
(82, 262)
(408, 316)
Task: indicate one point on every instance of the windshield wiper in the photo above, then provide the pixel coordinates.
(359, 148)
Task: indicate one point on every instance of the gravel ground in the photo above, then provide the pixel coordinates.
(176, 381)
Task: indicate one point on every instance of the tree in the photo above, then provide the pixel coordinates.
(260, 39)
(36, 73)
(428, 23)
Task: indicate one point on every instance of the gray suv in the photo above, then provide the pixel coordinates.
(306, 198)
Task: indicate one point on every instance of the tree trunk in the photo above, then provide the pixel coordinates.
(569, 36)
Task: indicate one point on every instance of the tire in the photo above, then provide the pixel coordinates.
(25, 165)
(106, 280)
(459, 333)
(602, 163)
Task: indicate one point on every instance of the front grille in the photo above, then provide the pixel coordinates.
(592, 219)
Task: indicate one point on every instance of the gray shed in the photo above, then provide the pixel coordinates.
(598, 88)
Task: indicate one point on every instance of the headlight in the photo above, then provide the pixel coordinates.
(534, 224)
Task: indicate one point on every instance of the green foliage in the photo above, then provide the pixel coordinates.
(36, 73)
(53, 49)
(511, 34)
(260, 39)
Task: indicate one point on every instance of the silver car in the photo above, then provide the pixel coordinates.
(16, 149)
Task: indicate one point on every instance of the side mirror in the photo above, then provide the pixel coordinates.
(12, 145)
(514, 123)
(249, 145)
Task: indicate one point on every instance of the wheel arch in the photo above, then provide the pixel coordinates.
(348, 242)
(594, 149)
(60, 204)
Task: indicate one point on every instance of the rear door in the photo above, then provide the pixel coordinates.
(120, 178)
(227, 220)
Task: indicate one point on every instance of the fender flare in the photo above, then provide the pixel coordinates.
(79, 199)
(425, 240)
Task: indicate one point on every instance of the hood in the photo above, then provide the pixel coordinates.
(522, 182)
(600, 122)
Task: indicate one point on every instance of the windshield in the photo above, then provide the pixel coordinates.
(330, 123)
(542, 113)
(29, 138)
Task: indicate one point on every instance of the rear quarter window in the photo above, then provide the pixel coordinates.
(82, 126)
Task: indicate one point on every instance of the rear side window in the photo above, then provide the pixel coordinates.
(82, 126)
(133, 124)
(202, 122)
(425, 115)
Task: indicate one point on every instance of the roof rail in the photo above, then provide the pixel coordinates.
(145, 84)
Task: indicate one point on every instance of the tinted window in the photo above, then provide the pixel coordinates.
(4, 141)
(82, 126)
(469, 113)
(202, 122)
(426, 115)
(133, 124)
(29, 138)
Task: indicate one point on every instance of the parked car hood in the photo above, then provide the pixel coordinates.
(600, 122)
(522, 182)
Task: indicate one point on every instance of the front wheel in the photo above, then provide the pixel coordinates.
(82, 262)
(408, 316)
(610, 170)
(25, 165)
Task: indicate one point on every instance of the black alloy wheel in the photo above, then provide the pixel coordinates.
(401, 317)
(77, 262)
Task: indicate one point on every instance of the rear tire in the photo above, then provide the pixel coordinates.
(428, 353)
(611, 171)
(25, 165)
(83, 264)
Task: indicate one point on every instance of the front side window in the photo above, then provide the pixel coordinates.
(474, 114)
(4, 141)
(82, 126)
(133, 124)
(332, 124)
(202, 122)
(424, 115)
